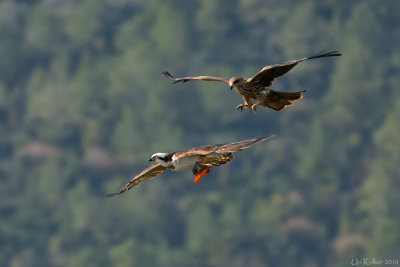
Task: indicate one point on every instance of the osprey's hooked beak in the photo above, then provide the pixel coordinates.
(151, 159)
(231, 86)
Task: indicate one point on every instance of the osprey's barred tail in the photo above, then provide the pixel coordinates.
(216, 160)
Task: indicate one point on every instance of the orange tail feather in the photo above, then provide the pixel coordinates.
(204, 171)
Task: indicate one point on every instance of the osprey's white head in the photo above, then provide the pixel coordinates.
(160, 158)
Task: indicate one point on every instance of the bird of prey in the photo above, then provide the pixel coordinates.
(255, 88)
(197, 158)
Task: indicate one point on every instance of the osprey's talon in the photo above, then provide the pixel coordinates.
(253, 108)
(240, 107)
(203, 171)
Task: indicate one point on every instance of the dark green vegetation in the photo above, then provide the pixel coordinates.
(83, 104)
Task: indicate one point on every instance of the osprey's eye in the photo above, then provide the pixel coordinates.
(155, 157)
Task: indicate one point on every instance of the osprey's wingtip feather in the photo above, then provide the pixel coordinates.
(268, 137)
(114, 194)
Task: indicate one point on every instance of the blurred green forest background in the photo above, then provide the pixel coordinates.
(83, 104)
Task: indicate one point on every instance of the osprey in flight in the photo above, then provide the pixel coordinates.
(197, 158)
(254, 88)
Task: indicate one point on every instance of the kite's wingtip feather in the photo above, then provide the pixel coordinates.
(326, 54)
(171, 77)
(167, 74)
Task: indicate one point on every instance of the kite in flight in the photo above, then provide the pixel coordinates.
(255, 88)
(197, 158)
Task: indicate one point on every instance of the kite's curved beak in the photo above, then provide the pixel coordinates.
(231, 86)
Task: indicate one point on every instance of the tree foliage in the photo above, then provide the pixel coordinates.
(83, 104)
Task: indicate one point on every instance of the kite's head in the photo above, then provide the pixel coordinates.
(235, 81)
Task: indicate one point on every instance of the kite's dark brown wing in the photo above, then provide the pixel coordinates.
(268, 74)
(146, 174)
(195, 78)
(221, 148)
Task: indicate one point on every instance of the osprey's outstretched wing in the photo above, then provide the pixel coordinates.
(195, 78)
(268, 74)
(221, 148)
(146, 174)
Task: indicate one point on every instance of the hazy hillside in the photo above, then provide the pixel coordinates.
(83, 105)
